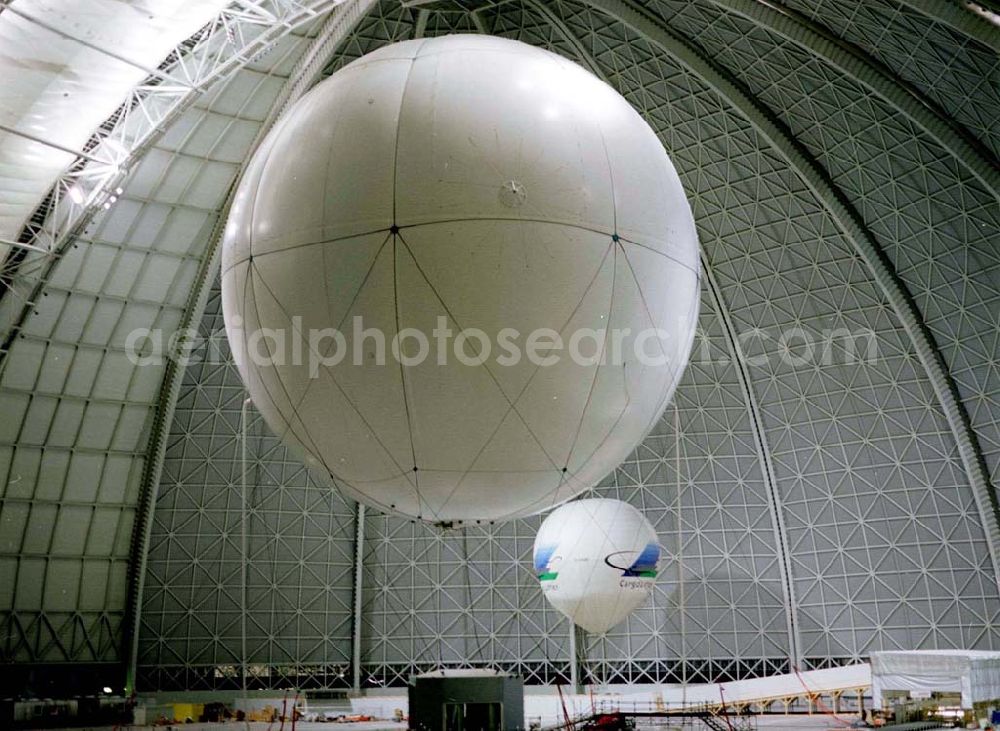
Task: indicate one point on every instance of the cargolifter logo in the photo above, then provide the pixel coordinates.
(544, 560)
(644, 565)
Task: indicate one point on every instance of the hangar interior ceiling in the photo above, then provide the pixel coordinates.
(828, 493)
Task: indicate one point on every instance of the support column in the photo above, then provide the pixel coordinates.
(577, 655)
(244, 558)
(359, 554)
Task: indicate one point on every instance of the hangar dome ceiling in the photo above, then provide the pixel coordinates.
(832, 499)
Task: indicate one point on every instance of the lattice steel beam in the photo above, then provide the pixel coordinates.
(582, 55)
(750, 399)
(851, 60)
(852, 224)
(962, 19)
(241, 32)
(766, 464)
(308, 69)
(357, 589)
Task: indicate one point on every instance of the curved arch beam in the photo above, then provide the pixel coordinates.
(766, 466)
(852, 224)
(965, 21)
(746, 386)
(579, 50)
(339, 24)
(854, 62)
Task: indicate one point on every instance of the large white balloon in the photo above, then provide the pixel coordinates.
(597, 561)
(452, 184)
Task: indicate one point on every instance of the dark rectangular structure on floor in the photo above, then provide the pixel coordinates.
(466, 700)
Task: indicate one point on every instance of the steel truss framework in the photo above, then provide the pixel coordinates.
(861, 513)
(242, 31)
(864, 507)
(68, 549)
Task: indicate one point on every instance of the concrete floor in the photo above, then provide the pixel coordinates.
(255, 726)
(768, 723)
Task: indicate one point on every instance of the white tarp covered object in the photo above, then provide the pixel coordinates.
(975, 674)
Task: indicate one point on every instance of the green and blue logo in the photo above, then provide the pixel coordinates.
(644, 565)
(543, 556)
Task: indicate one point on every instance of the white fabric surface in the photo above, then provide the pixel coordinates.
(976, 674)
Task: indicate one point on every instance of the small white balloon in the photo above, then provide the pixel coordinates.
(597, 561)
